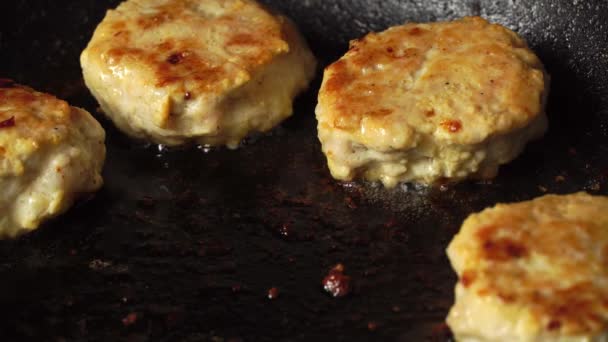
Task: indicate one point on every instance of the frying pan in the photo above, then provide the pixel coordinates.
(184, 244)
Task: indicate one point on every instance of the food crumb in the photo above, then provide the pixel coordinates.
(542, 188)
(98, 264)
(273, 293)
(560, 178)
(285, 229)
(146, 202)
(336, 282)
(130, 319)
(350, 203)
(372, 326)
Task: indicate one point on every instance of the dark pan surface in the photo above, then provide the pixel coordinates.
(184, 245)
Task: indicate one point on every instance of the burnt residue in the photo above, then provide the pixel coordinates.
(176, 58)
(185, 244)
(10, 122)
(451, 126)
(6, 83)
(336, 283)
(503, 250)
(273, 293)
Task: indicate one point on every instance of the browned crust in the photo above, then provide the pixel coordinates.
(32, 113)
(383, 71)
(570, 233)
(253, 37)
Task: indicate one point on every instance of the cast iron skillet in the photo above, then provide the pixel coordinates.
(184, 245)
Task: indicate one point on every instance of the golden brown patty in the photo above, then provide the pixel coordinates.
(204, 71)
(50, 154)
(533, 271)
(420, 102)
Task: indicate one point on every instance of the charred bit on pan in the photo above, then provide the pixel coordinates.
(441, 332)
(6, 83)
(336, 282)
(273, 293)
(146, 202)
(372, 326)
(130, 319)
(443, 184)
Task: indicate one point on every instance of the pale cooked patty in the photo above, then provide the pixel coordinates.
(203, 71)
(50, 154)
(422, 102)
(534, 271)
